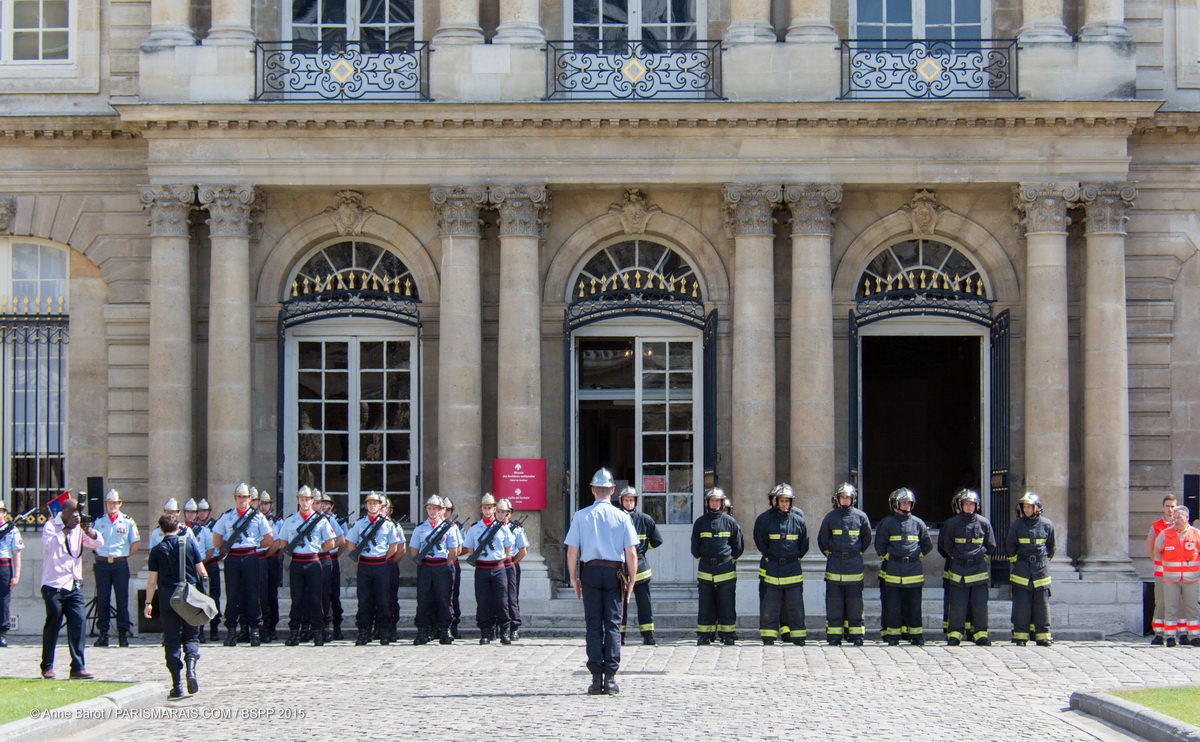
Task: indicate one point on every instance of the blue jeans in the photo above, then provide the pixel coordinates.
(62, 603)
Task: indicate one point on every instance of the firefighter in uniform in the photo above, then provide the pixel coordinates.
(968, 539)
(171, 506)
(1178, 548)
(121, 541)
(520, 548)
(843, 538)
(11, 546)
(304, 573)
(1168, 505)
(781, 535)
(648, 538)
(433, 573)
(212, 565)
(491, 578)
(716, 543)
(456, 571)
(380, 540)
(334, 615)
(1030, 546)
(241, 568)
(901, 541)
(271, 576)
(392, 603)
(203, 536)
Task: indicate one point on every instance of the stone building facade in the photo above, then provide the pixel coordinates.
(715, 241)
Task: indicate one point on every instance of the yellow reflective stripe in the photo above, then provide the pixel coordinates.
(1041, 582)
(706, 628)
(912, 579)
(773, 535)
(705, 534)
(723, 577)
(771, 633)
(835, 577)
(836, 531)
(960, 540)
(1022, 541)
(770, 580)
(727, 628)
(896, 538)
(642, 576)
(642, 537)
(646, 627)
(1019, 580)
(792, 537)
(976, 578)
(724, 534)
(1039, 540)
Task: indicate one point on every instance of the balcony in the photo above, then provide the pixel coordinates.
(929, 68)
(633, 70)
(344, 71)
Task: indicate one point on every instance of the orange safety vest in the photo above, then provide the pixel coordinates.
(1158, 527)
(1181, 556)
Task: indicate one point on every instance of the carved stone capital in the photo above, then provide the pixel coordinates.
(8, 213)
(1106, 206)
(813, 206)
(229, 209)
(749, 209)
(350, 214)
(634, 211)
(1044, 205)
(458, 209)
(170, 208)
(521, 209)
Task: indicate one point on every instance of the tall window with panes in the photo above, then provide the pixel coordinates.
(905, 20)
(377, 25)
(35, 31)
(661, 25)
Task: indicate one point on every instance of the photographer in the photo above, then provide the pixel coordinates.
(62, 585)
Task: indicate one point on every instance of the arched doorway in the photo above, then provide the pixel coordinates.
(929, 380)
(639, 366)
(350, 380)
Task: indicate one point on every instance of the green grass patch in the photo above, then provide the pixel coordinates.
(1179, 703)
(19, 696)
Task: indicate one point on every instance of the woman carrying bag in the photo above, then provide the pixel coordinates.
(167, 562)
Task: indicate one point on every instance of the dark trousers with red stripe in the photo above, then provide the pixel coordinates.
(274, 581)
(112, 578)
(241, 591)
(304, 578)
(214, 591)
(335, 591)
(374, 595)
(455, 590)
(514, 595)
(393, 596)
(491, 596)
(326, 579)
(433, 595)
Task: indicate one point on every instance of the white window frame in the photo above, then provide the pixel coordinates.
(918, 19)
(353, 25)
(78, 73)
(635, 20)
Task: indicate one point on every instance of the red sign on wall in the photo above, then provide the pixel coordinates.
(523, 481)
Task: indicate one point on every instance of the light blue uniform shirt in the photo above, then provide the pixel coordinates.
(250, 538)
(310, 544)
(389, 533)
(495, 551)
(520, 540)
(450, 540)
(119, 535)
(203, 538)
(601, 531)
(156, 537)
(10, 543)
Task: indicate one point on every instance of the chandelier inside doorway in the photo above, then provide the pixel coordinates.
(920, 276)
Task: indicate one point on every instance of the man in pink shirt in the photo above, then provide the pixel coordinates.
(63, 539)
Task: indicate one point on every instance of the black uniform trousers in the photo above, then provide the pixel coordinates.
(602, 614)
(455, 590)
(433, 594)
(178, 635)
(491, 595)
(885, 596)
(304, 581)
(718, 598)
(335, 590)
(5, 594)
(326, 580)
(272, 579)
(112, 578)
(645, 612)
(843, 608)
(1030, 613)
(781, 605)
(374, 595)
(63, 603)
(903, 611)
(214, 589)
(242, 591)
(513, 576)
(967, 600)
(392, 604)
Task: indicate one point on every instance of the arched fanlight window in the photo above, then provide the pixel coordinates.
(354, 266)
(922, 265)
(637, 265)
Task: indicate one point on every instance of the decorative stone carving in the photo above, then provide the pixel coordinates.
(634, 211)
(170, 208)
(1045, 205)
(349, 215)
(749, 208)
(458, 209)
(1106, 206)
(8, 213)
(229, 208)
(521, 208)
(923, 212)
(813, 206)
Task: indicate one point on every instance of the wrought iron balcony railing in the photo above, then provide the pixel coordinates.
(342, 71)
(633, 70)
(929, 68)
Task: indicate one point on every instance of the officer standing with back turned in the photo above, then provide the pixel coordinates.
(603, 538)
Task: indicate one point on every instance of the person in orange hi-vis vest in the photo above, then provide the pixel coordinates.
(1178, 549)
(1168, 504)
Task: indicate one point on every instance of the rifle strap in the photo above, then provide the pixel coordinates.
(434, 537)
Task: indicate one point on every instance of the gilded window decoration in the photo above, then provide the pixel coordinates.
(920, 276)
(352, 277)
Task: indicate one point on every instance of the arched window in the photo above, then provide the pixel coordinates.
(354, 266)
(637, 265)
(921, 265)
(34, 279)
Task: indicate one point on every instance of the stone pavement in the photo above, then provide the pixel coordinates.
(534, 689)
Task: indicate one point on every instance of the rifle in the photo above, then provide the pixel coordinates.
(8, 527)
(485, 541)
(434, 538)
(367, 539)
(520, 523)
(238, 531)
(303, 532)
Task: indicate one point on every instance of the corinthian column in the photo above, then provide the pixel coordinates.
(519, 23)
(1043, 22)
(1047, 387)
(231, 25)
(1104, 20)
(459, 23)
(229, 338)
(749, 21)
(1106, 384)
(749, 209)
(169, 25)
(812, 430)
(460, 358)
(811, 21)
(171, 367)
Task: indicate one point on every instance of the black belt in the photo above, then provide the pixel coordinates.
(243, 552)
(844, 554)
(372, 560)
(110, 560)
(297, 558)
(604, 563)
(906, 560)
(1037, 558)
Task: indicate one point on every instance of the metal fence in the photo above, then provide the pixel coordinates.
(376, 71)
(633, 70)
(929, 68)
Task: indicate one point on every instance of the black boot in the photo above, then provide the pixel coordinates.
(3, 639)
(102, 640)
(485, 636)
(454, 630)
(729, 639)
(610, 684)
(255, 637)
(293, 639)
(422, 636)
(264, 636)
(647, 637)
(327, 634)
(193, 684)
(514, 632)
(504, 636)
(123, 639)
(231, 635)
(703, 640)
(176, 685)
(214, 634)
(597, 686)
(244, 634)
(446, 637)
(363, 638)
(386, 636)
(337, 632)
(318, 638)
